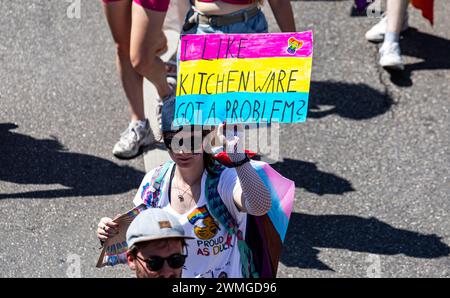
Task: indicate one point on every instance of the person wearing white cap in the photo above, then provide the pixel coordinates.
(157, 246)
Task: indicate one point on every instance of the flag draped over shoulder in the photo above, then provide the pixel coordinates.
(265, 234)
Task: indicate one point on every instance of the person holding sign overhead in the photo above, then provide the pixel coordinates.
(220, 199)
(211, 202)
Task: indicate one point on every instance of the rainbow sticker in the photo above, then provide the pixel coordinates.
(244, 78)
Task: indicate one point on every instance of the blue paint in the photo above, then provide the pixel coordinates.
(241, 107)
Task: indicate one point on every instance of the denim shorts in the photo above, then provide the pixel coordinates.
(255, 24)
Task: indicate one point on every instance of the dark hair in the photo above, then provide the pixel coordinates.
(208, 159)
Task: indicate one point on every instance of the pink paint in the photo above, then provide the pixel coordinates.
(288, 200)
(284, 187)
(245, 46)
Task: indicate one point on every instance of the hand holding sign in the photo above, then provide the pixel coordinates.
(107, 228)
(115, 246)
(231, 137)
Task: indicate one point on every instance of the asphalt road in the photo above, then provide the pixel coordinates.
(370, 164)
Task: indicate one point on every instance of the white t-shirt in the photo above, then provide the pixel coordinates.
(208, 253)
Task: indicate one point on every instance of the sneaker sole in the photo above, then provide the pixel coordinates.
(156, 143)
(381, 39)
(393, 67)
(375, 40)
(139, 152)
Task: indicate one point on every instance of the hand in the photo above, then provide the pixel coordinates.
(225, 144)
(228, 136)
(106, 229)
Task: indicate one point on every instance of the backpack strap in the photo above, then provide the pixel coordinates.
(221, 213)
(152, 196)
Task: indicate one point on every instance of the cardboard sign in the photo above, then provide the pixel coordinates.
(115, 248)
(244, 78)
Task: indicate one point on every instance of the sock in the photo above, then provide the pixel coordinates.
(141, 123)
(392, 37)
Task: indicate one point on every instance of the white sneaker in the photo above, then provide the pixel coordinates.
(133, 139)
(390, 56)
(377, 32)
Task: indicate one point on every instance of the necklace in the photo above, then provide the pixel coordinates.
(181, 195)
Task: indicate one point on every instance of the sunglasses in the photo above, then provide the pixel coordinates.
(155, 263)
(195, 146)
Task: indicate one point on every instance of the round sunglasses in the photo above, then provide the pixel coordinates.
(155, 263)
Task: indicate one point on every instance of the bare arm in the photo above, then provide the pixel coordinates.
(282, 10)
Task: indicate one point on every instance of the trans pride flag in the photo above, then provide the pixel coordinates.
(244, 78)
(265, 234)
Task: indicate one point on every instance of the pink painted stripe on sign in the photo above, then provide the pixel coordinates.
(261, 45)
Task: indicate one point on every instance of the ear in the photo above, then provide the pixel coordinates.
(130, 261)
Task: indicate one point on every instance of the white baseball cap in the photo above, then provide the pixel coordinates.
(154, 224)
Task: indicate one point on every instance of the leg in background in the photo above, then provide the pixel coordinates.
(118, 15)
(146, 31)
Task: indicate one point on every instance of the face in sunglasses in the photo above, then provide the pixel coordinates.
(158, 259)
(155, 263)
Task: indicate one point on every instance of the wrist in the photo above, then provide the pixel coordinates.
(238, 159)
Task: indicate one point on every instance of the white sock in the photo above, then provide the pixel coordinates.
(392, 37)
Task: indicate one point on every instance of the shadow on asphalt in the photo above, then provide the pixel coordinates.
(353, 101)
(309, 232)
(307, 176)
(26, 160)
(432, 50)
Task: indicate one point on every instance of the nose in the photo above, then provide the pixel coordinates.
(166, 271)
